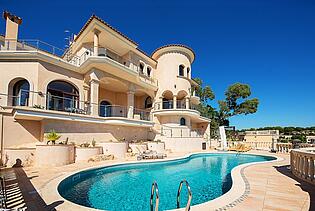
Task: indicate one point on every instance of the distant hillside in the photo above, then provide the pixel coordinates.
(287, 130)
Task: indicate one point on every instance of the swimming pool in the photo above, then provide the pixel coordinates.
(128, 186)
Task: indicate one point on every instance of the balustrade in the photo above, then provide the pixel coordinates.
(302, 164)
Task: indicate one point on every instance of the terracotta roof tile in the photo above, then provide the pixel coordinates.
(12, 17)
(105, 23)
(111, 27)
(176, 45)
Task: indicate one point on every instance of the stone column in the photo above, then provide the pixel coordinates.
(130, 103)
(86, 89)
(96, 42)
(174, 102)
(187, 102)
(2, 139)
(94, 89)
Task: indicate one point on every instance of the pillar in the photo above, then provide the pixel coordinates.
(130, 103)
(174, 102)
(12, 29)
(187, 102)
(311, 170)
(2, 139)
(94, 89)
(96, 42)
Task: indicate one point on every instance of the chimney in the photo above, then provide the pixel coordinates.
(11, 31)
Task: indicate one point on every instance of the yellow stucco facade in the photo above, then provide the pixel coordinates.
(103, 87)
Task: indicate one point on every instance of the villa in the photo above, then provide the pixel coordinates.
(77, 125)
(103, 87)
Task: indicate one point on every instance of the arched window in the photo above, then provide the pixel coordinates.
(181, 70)
(62, 96)
(21, 91)
(148, 102)
(188, 72)
(182, 121)
(105, 109)
(149, 71)
(141, 68)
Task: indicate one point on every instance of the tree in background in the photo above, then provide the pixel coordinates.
(236, 102)
(300, 137)
(206, 95)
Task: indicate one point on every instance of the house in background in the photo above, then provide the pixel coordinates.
(261, 139)
(103, 87)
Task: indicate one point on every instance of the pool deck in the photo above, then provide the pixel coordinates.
(269, 186)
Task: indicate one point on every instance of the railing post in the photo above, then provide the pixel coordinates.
(302, 165)
(311, 170)
(306, 167)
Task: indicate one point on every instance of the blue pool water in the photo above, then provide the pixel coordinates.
(128, 186)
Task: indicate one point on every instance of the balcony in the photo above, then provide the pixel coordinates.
(38, 106)
(175, 132)
(104, 56)
(169, 104)
(31, 45)
(182, 107)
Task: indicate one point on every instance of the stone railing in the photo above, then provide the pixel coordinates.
(283, 147)
(302, 164)
(287, 147)
(259, 144)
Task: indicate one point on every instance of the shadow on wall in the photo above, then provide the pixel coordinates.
(33, 127)
(18, 163)
(307, 187)
(19, 132)
(21, 192)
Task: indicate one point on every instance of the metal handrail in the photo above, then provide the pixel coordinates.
(189, 194)
(154, 188)
(33, 45)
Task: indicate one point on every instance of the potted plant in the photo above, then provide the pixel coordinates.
(52, 137)
(52, 154)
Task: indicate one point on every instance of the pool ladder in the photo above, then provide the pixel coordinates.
(155, 189)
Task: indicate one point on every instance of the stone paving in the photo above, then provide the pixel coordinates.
(272, 186)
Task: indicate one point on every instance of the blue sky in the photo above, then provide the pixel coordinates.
(268, 44)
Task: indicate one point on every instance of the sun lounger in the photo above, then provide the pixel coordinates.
(240, 148)
(149, 154)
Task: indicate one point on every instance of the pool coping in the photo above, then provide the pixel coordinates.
(239, 191)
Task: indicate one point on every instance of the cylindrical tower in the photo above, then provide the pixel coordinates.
(173, 73)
